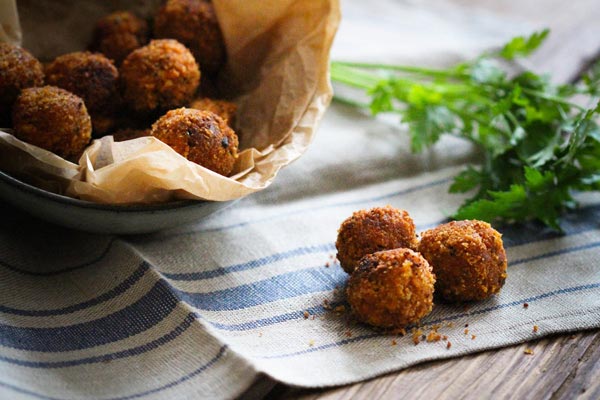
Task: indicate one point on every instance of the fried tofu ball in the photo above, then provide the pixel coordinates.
(391, 289)
(224, 109)
(368, 231)
(118, 34)
(193, 23)
(94, 78)
(54, 119)
(468, 259)
(160, 76)
(200, 136)
(18, 70)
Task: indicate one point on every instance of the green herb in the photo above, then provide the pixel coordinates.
(538, 145)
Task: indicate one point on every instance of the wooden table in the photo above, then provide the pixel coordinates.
(565, 366)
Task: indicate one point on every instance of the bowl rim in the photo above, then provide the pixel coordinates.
(58, 198)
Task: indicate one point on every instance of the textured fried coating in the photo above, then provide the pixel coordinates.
(118, 34)
(54, 119)
(224, 109)
(368, 231)
(391, 289)
(160, 76)
(18, 70)
(468, 259)
(200, 136)
(91, 76)
(193, 23)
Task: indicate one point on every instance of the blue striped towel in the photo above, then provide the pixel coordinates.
(200, 311)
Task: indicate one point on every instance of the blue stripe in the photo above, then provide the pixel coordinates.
(187, 322)
(437, 321)
(259, 262)
(148, 311)
(62, 270)
(556, 253)
(279, 287)
(179, 381)
(128, 283)
(339, 280)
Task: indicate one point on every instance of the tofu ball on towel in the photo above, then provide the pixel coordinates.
(391, 289)
(468, 259)
(368, 231)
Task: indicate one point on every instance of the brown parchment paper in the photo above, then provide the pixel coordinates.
(276, 72)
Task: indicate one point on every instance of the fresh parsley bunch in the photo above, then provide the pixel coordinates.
(538, 145)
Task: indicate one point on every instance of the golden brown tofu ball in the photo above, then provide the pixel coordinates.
(468, 259)
(391, 289)
(224, 109)
(368, 231)
(118, 34)
(160, 76)
(129, 133)
(18, 70)
(53, 119)
(193, 23)
(91, 76)
(200, 136)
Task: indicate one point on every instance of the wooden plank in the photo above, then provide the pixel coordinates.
(560, 367)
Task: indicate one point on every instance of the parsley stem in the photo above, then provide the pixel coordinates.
(403, 68)
(553, 98)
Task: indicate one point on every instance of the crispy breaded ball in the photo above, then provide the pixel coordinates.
(468, 259)
(129, 133)
(391, 289)
(91, 76)
(200, 136)
(54, 119)
(224, 109)
(160, 76)
(18, 70)
(368, 231)
(118, 34)
(193, 23)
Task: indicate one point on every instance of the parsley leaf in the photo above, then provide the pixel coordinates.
(538, 146)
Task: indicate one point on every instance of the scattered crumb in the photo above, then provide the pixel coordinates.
(448, 345)
(339, 309)
(423, 337)
(306, 315)
(466, 331)
(444, 337)
(348, 333)
(259, 334)
(326, 265)
(450, 324)
(433, 336)
(326, 305)
(535, 329)
(473, 337)
(525, 305)
(466, 325)
(394, 342)
(311, 343)
(529, 352)
(415, 336)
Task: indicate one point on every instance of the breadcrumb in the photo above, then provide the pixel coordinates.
(535, 329)
(529, 352)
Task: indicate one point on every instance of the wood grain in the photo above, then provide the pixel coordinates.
(563, 367)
